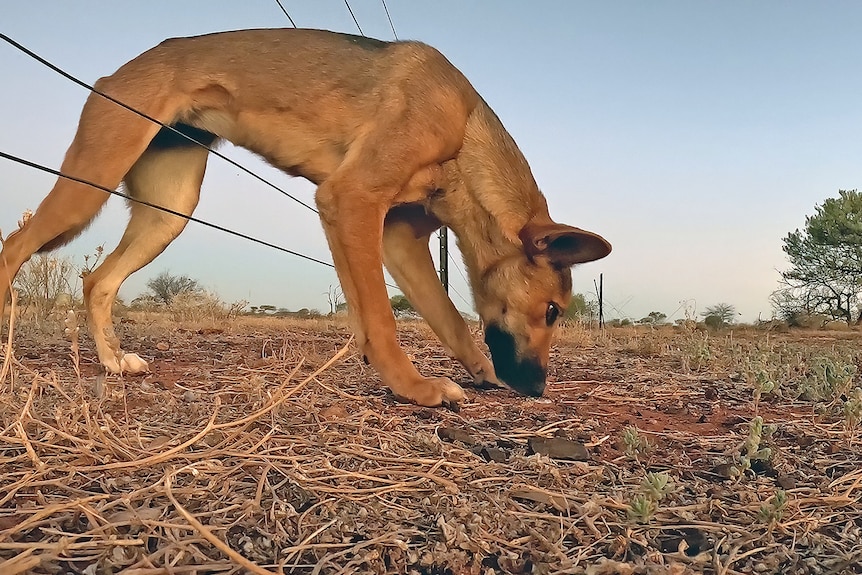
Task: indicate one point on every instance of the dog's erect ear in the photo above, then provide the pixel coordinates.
(563, 245)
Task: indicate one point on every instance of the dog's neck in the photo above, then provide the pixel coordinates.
(489, 196)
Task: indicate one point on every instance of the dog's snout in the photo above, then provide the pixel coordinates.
(526, 375)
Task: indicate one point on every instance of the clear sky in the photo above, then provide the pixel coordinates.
(692, 135)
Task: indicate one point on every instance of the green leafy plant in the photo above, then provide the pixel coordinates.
(853, 410)
(653, 488)
(751, 449)
(762, 384)
(633, 443)
(773, 510)
(827, 379)
(657, 485)
(642, 508)
(760, 374)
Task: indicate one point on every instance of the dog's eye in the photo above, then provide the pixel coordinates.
(552, 314)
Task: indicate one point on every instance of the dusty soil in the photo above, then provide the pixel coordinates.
(243, 451)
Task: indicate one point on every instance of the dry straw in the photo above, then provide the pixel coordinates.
(248, 451)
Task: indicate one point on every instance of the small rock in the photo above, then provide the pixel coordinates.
(163, 346)
(805, 441)
(786, 482)
(190, 396)
(453, 434)
(493, 454)
(726, 470)
(559, 448)
(210, 331)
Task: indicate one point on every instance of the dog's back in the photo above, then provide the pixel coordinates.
(298, 98)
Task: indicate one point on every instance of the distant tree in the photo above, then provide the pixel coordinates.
(825, 274)
(580, 309)
(335, 298)
(306, 313)
(653, 318)
(719, 315)
(264, 309)
(401, 305)
(165, 287)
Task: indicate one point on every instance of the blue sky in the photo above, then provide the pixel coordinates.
(692, 135)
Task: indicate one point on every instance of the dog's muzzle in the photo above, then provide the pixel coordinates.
(524, 375)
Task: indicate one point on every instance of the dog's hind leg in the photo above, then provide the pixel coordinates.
(407, 257)
(108, 141)
(169, 177)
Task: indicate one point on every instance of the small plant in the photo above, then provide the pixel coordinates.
(761, 377)
(96, 256)
(827, 379)
(697, 354)
(657, 485)
(773, 510)
(751, 450)
(654, 488)
(853, 410)
(642, 508)
(633, 444)
(762, 384)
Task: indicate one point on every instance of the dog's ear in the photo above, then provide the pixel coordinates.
(563, 245)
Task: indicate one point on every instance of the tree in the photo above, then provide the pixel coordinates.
(580, 309)
(719, 315)
(825, 275)
(335, 298)
(43, 280)
(653, 318)
(165, 287)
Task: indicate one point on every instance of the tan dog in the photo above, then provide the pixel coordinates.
(398, 143)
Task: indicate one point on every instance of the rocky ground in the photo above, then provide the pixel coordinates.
(266, 446)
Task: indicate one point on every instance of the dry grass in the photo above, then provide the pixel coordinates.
(266, 446)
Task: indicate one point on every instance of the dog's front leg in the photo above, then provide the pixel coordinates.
(408, 259)
(353, 222)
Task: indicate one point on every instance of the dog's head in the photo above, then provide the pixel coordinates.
(524, 297)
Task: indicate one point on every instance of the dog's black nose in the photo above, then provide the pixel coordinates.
(525, 375)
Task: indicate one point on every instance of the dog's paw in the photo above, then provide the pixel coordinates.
(436, 391)
(132, 363)
(487, 380)
(112, 365)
